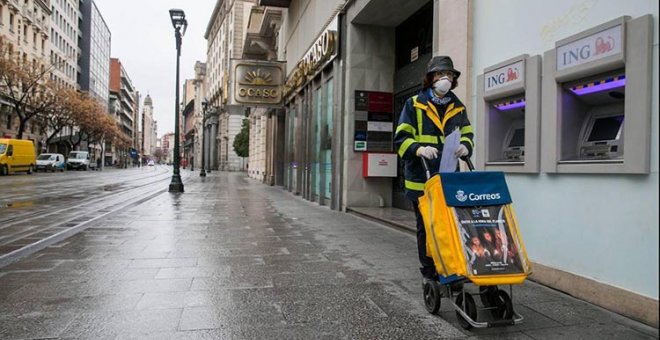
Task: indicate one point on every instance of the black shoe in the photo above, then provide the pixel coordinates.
(456, 286)
(429, 273)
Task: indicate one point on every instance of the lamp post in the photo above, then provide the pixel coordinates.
(205, 105)
(178, 22)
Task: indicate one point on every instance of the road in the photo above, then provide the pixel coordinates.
(40, 209)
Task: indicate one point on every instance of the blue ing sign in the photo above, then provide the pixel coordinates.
(466, 189)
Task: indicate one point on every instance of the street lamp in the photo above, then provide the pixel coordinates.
(178, 22)
(205, 105)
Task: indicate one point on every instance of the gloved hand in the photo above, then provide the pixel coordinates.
(427, 152)
(461, 151)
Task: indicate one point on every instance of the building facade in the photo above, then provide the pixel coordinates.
(65, 51)
(94, 60)
(266, 149)
(342, 108)
(202, 142)
(189, 118)
(25, 27)
(148, 132)
(122, 105)
(225, 36)
(167, 148)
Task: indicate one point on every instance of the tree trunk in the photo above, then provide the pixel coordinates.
(52, 135)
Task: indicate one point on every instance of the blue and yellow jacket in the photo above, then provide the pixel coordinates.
(423, 123)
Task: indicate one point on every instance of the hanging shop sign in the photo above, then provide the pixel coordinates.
(323, 50)
(257, 83)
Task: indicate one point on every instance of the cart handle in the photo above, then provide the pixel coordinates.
(428, 171)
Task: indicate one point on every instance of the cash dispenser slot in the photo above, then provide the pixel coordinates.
(599, 104)
(514, 143)
(508, 127)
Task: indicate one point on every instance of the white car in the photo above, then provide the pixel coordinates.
(150, 163)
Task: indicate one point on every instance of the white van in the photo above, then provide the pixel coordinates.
(78, 160)
(50, 162)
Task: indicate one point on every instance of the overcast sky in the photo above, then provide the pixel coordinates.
(143, 40)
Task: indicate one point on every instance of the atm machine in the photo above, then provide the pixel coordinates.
(589, 112)
(508, 115)
(513, 147)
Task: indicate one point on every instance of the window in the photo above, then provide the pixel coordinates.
(9, 121)
(11, 22)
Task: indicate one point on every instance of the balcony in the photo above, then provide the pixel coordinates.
(260, 36)
(27, 14)
(274, 3)
(13, 4)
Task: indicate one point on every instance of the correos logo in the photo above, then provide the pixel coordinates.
(461, 197)
(475, 197)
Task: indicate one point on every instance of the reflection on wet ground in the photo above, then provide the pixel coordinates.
(29, 221)
(234, 259)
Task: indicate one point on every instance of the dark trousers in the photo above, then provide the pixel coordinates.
(428, 269)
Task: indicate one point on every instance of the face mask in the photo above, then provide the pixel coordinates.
(442, 85)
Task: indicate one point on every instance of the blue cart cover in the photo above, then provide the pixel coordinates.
(476, 188)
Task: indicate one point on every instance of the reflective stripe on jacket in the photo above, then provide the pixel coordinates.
(423, 123)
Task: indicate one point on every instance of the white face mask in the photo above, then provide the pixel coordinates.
(442, 85)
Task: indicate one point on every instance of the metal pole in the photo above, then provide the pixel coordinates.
(202, 172)
(176, 185)
(210, 147)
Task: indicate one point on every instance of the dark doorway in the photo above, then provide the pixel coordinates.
(414, 47)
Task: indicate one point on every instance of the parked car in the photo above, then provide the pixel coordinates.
(78, 160)
(151, 162)
(16, 155)
(50, 162)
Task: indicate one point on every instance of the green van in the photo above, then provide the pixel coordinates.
(17, 155)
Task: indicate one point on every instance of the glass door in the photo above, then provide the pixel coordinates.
(326, 135)
(316, 144)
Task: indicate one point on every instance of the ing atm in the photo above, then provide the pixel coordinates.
(508, 115)
(597, 100)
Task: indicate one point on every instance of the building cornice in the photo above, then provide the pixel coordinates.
(209, 26)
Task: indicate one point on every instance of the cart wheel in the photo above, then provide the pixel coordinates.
(470, 309)
(488, 295)
(503, 307)
(432, 296)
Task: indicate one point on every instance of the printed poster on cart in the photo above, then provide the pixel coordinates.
(487, 241)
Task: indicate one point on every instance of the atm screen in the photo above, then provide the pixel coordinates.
(518, 138)
(605, 128)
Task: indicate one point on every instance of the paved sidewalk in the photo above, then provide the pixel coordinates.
(235, 259)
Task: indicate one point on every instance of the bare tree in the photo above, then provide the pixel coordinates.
(23, 85)
(61, 113)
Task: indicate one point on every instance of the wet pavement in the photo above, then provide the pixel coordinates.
(235, 259)
(41, 209)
